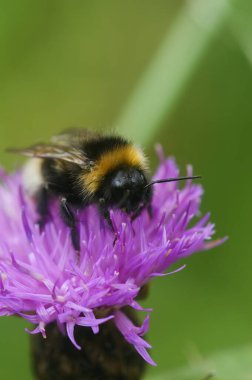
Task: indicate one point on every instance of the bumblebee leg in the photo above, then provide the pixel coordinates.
(150, 210)
(105, 213)
(42, 207)
(69, 219)
(140, 210)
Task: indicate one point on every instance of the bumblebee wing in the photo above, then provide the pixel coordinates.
(74, 136)
(65, 153)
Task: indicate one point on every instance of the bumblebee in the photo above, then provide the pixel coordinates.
(81, 167)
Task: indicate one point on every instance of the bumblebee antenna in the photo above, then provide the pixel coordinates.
(172, 180)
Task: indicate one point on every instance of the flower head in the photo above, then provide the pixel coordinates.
(41, 281)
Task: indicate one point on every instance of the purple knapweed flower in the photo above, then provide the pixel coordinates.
(41, 280)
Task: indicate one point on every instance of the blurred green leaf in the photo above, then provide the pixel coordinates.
(241, 26)
(232, 364)
(171, 68)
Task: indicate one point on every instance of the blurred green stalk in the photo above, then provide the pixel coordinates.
(241, 26)
(166, 78)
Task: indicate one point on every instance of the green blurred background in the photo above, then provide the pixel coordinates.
(170, 71)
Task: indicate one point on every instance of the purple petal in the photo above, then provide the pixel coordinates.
(70, 332)
(132, 334)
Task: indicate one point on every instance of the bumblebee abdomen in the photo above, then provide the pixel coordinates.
(32, 176)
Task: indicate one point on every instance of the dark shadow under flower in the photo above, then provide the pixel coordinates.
(41, 281)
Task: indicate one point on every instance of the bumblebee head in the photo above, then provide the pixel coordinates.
(126, 189)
